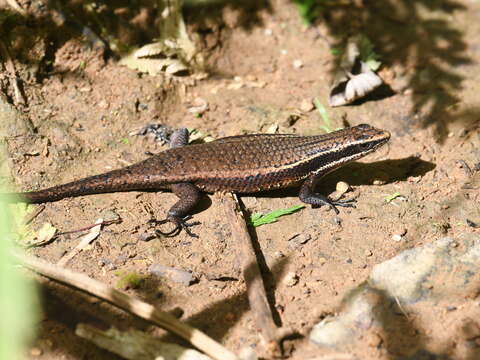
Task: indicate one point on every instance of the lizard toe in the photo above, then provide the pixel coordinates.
(180, 224)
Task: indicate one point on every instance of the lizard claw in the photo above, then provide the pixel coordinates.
(341, 203)
(180, 224)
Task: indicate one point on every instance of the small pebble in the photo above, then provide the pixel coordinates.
(337, 220)
(184, 277)
(414, 179)
(306, 105)
(278, 255)
(380, 177)
(268, 32)
(397, 237)
(298, 240)
(291, 279)
(272, 129)
(85, 89)
(102, 262)
(297, 64)
(368, 253)
(342, 187)
(36, 351)
(103, 104)
(145, 236)
(374, 340)
(379, 182)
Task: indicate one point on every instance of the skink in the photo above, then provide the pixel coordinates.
(241, 164)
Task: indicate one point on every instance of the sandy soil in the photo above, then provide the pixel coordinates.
(83, 106)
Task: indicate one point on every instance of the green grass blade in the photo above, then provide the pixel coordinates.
(258, 219)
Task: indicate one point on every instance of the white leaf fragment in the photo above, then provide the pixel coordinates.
(355, 79)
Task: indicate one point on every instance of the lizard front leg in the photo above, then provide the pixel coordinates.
(309, 196)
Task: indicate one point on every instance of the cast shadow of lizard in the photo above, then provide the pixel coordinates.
(357, 173)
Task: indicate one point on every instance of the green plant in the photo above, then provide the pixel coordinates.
(367, 54)
(258, 219)
(308, 10)
(327, 123)
(18, 303)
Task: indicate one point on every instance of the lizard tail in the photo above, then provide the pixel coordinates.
(113, 181)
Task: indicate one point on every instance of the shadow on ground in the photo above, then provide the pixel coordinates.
(416, 38)
(419, 39)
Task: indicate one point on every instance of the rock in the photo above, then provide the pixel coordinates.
(306, 105)
(298, 64)
(357, 315)
(342, 187)
(415, 281)
(291, 279)
(36, 352)
(145, 236)
(402, 276)
(397, 237)
(298, 240)
(413, 275)
(176, 275)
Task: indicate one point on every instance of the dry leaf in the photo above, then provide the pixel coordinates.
(44, 235)
(354, 79)
(172, 53)
(198, 106)
(84, 242)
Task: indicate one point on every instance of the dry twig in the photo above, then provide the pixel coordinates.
(133, 344)
(271, 335)
(84, 242)
(19, 99)
(29, 218)
(129, 303)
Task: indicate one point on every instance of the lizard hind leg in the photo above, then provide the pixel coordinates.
(179, 213)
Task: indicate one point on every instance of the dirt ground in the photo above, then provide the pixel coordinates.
(262, 64)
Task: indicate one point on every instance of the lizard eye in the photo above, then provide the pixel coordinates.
(364, 146)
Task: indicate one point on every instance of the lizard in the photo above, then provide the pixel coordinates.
(240, 164)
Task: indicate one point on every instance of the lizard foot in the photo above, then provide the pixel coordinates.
(180, 224)
(341, 203)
